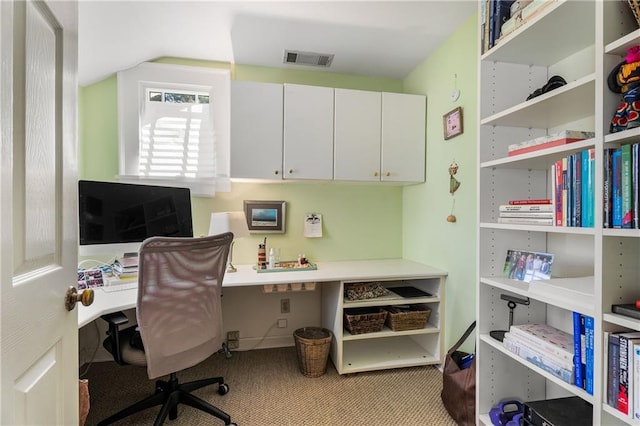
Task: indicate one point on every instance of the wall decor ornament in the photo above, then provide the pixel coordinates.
(265, 217)
(452, 122)
(454, 184)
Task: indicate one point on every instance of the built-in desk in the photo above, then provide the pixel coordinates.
(334, 275)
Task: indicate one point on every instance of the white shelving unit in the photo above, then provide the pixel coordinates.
(353, 353)
(593, 267)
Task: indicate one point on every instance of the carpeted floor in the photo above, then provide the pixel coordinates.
(267, 388)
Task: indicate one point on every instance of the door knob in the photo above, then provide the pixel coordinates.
(72, 297)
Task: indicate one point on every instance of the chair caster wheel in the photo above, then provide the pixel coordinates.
(223, 389)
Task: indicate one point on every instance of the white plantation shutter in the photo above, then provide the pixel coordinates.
(182, 142)
(177, 140)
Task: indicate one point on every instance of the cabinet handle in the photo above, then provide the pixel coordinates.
(290, 171)
(277, 172)
(375, 174)
(388, 174)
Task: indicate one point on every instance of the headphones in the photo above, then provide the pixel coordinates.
(505, 412)
(553, 83)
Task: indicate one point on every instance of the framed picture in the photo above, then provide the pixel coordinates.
(528, 265)
(265, 217)
(452, 122)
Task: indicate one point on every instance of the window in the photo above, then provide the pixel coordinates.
(174, 127)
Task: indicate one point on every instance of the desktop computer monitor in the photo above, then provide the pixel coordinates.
(114, 218)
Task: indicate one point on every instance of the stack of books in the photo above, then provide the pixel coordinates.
(622, 373)
(126, 268)
(622, 187)
(544, 346)
(527, 212)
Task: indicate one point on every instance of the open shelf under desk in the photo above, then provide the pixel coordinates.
(381, 354)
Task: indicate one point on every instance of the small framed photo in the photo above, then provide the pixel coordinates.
(265, 217)
(528, 265)
(452, 122)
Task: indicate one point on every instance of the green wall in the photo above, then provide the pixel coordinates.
(361, 221)
(427, 236)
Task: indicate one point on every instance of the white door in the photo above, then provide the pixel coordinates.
(38, 218)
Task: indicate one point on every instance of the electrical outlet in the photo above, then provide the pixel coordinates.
(233, 335)
(282, 323)
(285, 306)
(233, 344)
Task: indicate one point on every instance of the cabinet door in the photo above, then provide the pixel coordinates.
(357, 135)
(256, 130)
(308, 132)
(403, 137)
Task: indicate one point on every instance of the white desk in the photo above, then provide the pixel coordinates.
(107, 302)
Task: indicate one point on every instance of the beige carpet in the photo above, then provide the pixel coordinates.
(267, 388)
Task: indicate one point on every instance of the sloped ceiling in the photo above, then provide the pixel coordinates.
(370, 38)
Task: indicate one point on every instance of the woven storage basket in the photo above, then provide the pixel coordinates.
(635, 8)
(312, 347)
(413, 318)
(364, 320)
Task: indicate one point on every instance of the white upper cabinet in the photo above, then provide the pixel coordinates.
(256, 130)
(308, 132)
(403, 138)
(357, 135)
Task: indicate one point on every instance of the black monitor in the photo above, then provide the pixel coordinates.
(116, 217)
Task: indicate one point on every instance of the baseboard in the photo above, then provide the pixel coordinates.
(248, 344)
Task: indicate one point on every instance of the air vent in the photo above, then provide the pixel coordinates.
(307, 58)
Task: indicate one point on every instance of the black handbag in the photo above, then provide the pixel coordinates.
(459, 383)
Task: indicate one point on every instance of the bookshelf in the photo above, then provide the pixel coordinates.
(594, 266)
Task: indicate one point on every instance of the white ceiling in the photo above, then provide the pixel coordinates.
(370, 38)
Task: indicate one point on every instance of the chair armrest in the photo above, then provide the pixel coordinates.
(112, 344)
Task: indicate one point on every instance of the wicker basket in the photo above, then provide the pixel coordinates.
(364, 320)
(312, 347)
(635, 8)
(413, 318)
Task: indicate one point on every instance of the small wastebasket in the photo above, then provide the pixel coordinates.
(312, 347)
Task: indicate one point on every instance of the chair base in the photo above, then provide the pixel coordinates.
(169, 394)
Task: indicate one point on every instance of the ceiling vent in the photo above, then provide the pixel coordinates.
(307, 58)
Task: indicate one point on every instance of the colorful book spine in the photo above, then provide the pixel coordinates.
(576, 188)
(547, 338)
(636, 381)
(626, 355)
(635, 184)
(616, 189)
(607, 209)
(613, 379)
(558, 192)
(626, 186)
(569, 184)
(588, 189)
(589, 332)
(578, 321)
(565, 194)
(533, 201)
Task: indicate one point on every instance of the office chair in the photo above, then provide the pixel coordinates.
(179, 321)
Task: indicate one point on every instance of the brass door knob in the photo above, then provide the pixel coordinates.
(72, 297)
(375, 174)
(388, 174)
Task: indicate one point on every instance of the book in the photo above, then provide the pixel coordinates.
(576, 189)
(525, 220)
(547, 338)
(565, 198)
(626, 186)
(546, 215)
(636, 381)
(626, 309)
(625, 340)
(558, 192)
(520, 344)
(569, 184)
(607, 221)
(578, 349)
(534, 201)
(616, 189)
(500, 16)
(613, 378)
(588, 186)
(548, 141)
(635, 184)
(542, 360)
(589, 333)
(546, 207)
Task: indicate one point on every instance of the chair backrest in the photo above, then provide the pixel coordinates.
(179, 308)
